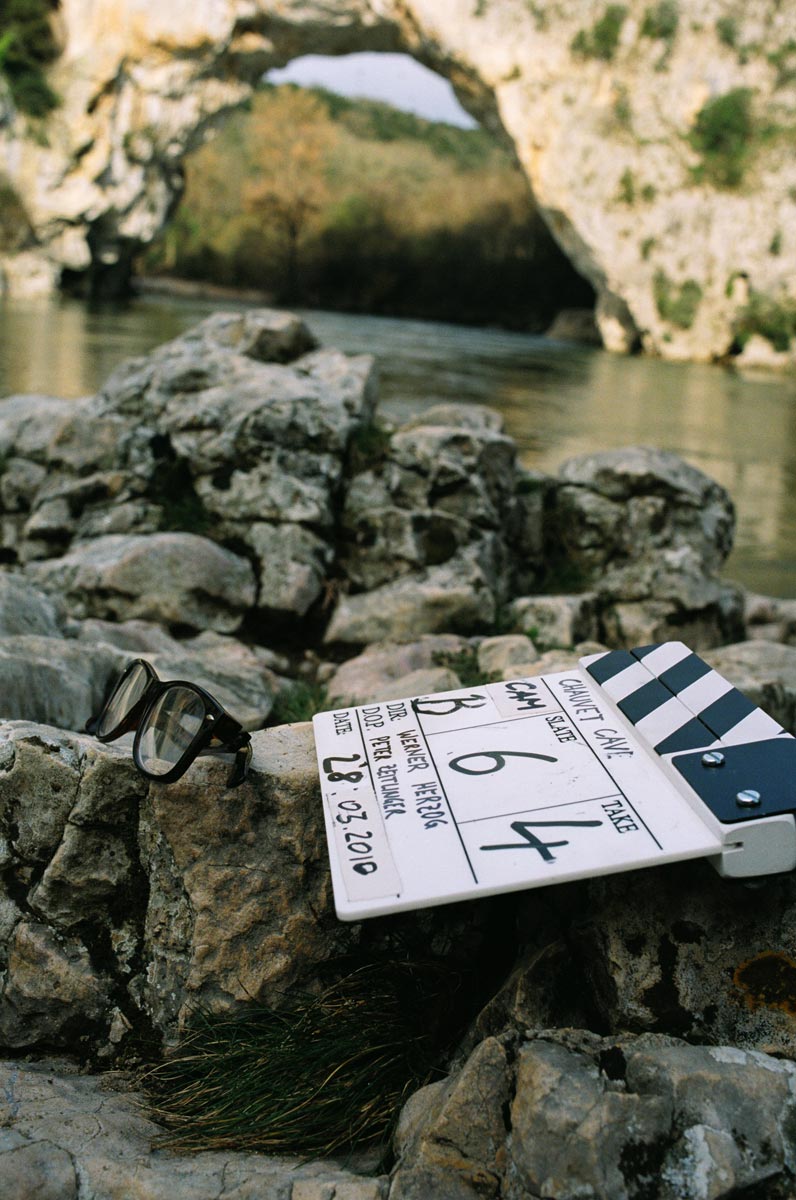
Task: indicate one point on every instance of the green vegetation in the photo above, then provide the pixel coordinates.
(326, 202)
(368, 447)
(784, 62)
(627, 187)
(727, 31)
(775, 245)
(775, 320)
(661, 21)
(723, 134)
(321, 1075)
(298, 702)
(677, 305)
(27, 47)
(647, 246)
(623, 112)
(464, 664)
(602, 39)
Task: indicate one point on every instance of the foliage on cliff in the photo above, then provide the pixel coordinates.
(27, 47)
(335, 203)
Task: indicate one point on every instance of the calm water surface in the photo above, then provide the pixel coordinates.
(557, 399)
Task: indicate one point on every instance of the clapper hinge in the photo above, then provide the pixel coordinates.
(743, 782)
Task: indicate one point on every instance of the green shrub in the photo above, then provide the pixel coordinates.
(677, 305)
(784, 62)
(27, 46)
(775, 320)
(627, 187)
(722, 134)
(727, 31)
(602, 39)
(661, 21)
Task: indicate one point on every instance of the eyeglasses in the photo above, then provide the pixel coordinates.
(174, 723)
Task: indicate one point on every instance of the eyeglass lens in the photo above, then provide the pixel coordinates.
(171, 726)
(125, 696)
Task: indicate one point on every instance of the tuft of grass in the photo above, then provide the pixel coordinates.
(464, 664)
(602, 39)
(322, 1075)
(647, 246)
(677, 305)
(722, 135)
(298, 702)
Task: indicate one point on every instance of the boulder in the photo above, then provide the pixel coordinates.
(457, 597)
(555, 622)
(383, 666)
(127, 905)
(26, 610)
(648, 532)
(53, 680)
(618, 506)
(505, 652)
(765, 672)
(179, 579)
(429, 490)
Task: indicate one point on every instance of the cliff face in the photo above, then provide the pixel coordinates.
(658, 137)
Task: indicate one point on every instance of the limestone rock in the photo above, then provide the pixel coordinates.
(618, 506)
(175, 578)
(555, 622)
(614, 1121)
(566, 1114)
(435, 486)
(453, 1146)
(58, 1126)
(649, 533)
(769, 618)
(53, 680)
(383, 666)
(679, 949)
(456, 597)
(763, 671)
(613, 115)
(26, 611)
(497, 655)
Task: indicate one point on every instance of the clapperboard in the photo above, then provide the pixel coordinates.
(631, 759)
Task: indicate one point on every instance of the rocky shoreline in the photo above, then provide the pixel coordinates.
(231, 508)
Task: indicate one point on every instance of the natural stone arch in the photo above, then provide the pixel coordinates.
(599, 118)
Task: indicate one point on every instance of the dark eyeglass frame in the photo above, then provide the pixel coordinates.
(219, 733)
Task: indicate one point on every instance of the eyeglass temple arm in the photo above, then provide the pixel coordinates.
(238, 743)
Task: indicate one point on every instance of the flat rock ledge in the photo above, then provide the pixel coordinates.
(556, 1114)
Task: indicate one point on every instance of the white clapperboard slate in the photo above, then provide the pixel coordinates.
(632, 759)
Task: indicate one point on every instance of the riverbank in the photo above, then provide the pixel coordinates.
(232, 508)
(557, 400)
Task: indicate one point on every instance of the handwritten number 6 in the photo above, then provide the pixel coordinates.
(498, 758)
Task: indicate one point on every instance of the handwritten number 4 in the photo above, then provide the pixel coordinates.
(532, 842)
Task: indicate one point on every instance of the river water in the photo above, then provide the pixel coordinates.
(557, 399)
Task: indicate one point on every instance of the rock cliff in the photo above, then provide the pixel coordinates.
(656, 136)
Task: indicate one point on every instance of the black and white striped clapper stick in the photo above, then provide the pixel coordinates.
(631, 759)
(734, 763)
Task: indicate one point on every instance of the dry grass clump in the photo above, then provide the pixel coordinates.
(322, 1075)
